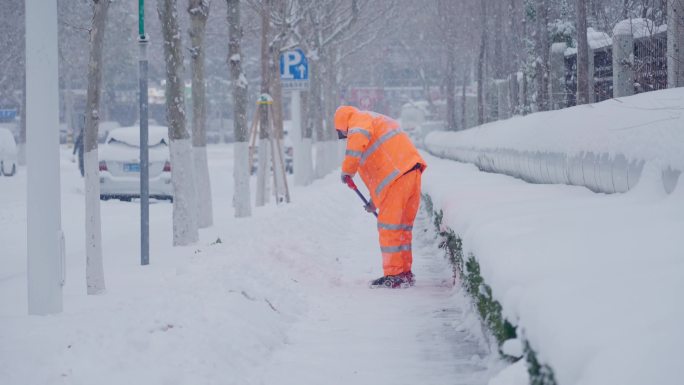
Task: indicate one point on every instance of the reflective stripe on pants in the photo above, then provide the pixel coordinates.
(395, 223)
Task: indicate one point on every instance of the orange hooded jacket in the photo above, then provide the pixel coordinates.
(377, 148)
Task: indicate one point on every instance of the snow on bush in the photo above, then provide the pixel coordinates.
(589, 280)
(602, 146)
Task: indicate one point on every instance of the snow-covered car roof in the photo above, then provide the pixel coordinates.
(131, 136)
(122, 144)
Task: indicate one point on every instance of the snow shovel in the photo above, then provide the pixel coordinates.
(352, 185)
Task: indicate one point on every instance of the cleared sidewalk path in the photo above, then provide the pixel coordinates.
(355, 335)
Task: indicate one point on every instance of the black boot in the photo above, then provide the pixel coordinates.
(408, 277)
(390, 282)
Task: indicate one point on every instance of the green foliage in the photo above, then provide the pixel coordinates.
(488, 307)
(453, 246)
(427, 203)
(437, 220)
(561, 31)
(530, 11)
(539, 374)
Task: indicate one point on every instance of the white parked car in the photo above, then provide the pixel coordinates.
(8, 153)
(120, 164)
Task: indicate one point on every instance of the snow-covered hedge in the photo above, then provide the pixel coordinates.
(589, 280)
(601, 146)
(467, 271)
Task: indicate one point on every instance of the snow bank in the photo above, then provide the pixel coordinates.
(598, 39)
(602, 146)
(515, 374)
(591, 280)
(639, 28)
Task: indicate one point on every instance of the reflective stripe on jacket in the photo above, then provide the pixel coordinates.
(379, 150)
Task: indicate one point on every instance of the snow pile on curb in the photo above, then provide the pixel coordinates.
(645, 128)
(591, 281)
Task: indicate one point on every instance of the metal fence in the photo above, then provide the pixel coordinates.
(649, 65)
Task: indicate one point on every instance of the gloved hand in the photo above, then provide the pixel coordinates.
(347, 179)
(370, 207)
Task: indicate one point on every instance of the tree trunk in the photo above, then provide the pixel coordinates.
(452, 124)
(625, 9)
(199, 12)
(481, 64)
(516, 18)
(582, 54)
(94, 266)
(524, 97)
(446, 10)
(277, 110)
(184, 199)
(276, 90)
(500, 59)
(241, 194)
(68, 94)
(262, 195)
(315, 116)
(675, 43)
(542, 48)
(22, 125)
(333, 150)
(464, 105)
(305, 162)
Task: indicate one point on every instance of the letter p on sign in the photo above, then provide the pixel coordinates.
(293, 65)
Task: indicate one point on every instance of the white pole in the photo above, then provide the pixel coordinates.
(300, 178)
(44, 234)
(623, 59)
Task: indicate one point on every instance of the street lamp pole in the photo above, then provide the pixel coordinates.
(144, 153)
(45, 240)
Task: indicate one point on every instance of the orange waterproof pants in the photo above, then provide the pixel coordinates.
(395, 223)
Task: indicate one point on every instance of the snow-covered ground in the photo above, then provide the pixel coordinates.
(594, 281)
(281, 299)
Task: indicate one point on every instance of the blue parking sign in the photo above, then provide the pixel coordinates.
(7, 115)
(294, 69)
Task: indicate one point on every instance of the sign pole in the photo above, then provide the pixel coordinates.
(294, 76)
(296, 137)
(144, 153)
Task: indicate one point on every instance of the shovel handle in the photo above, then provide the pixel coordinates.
(350, 182)
(363, 198)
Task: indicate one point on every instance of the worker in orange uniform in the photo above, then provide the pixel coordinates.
(391, 168)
